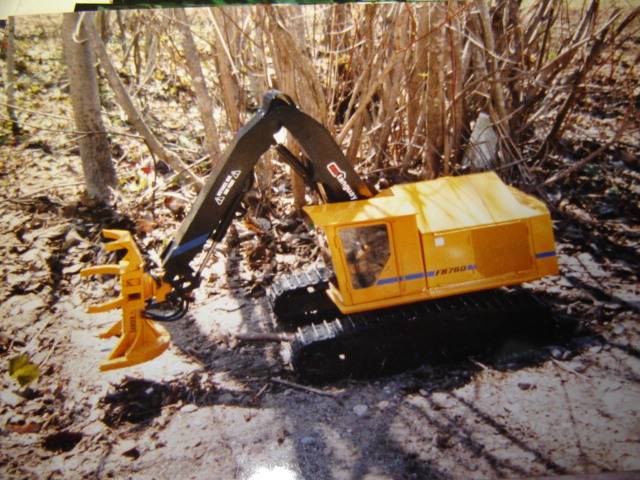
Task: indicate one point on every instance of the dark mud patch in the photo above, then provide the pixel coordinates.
(138, 400)
(63, 441)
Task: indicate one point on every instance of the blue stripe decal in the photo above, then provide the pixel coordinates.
(551, 253)
(196, 242)
(414, 276)
(431, 273)
(411, 276)
(471, 267)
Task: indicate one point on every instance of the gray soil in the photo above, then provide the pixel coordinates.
(208, 409)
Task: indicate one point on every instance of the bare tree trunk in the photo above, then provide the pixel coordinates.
(434, 95)
(283, 65)
(205, 105)
(98, 169)
(10, 79)
(125, 102)
(340, 75)
(102, 24)
(415, 83)
(122, 32)
(298, 78)
(228, 85)
(456, 105)
(391, 87)
(369, 69)
(150, 56)
(307, 81)
(258, 85)
(515, 52)
(497, 94)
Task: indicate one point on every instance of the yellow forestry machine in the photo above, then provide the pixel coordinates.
(417, 268)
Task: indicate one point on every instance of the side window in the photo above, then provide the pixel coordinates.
(367, 252)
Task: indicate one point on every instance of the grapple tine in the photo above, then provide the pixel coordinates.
(119, 244)
(106, 269)
(106, 306)
(113, 233)
(114, 330)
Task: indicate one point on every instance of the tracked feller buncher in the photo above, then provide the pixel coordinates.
(417, 269)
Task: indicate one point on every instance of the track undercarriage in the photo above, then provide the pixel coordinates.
(329, 345)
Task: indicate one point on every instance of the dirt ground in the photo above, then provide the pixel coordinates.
(213, 406)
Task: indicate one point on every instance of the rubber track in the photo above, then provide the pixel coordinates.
(306, 291)
(386, 341)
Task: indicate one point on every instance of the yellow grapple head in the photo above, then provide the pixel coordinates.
(141, 339)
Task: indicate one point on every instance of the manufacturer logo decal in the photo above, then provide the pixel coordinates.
(225, 188)
(449, 270)
(340, 175)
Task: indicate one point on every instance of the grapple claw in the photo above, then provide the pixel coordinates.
(106, 306)
(114, 330)
(108, 269)
(141, 339)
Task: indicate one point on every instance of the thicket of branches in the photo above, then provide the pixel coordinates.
(399, 85)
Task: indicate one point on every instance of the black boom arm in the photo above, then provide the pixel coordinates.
(232, 177)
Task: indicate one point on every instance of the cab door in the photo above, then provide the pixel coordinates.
(371, 268)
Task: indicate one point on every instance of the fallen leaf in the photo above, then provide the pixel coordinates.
(145, 225)
(31, 427)
(22, 370)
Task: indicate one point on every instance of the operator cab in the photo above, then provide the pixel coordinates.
(375, 248)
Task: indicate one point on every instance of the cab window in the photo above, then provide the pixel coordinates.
(367, 252)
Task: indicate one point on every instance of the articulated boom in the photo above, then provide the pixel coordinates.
(327, 169)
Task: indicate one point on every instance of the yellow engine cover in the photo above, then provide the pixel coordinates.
(435, 238)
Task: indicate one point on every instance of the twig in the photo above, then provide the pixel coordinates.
(18, 201)
(596, 153)
(32, 340)
(53, 347)
(391, 62)
(78, 28)
(223, 42)
(103, 459)
(75, 132)
(261, 392)
(482, 47)
(567, 369)
(304, 388)
(10, 75)
(150, 193)
(264, 337)
(49, 187)
(575, 80)
(481, 365)
(512, 164)
(42, 114)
